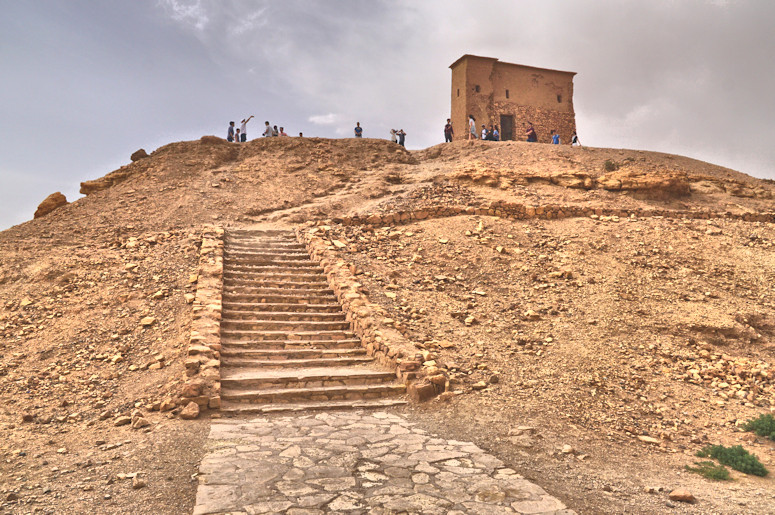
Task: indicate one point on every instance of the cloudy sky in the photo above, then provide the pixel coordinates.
(84, 83)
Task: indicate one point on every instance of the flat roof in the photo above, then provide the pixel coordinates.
(466, 56)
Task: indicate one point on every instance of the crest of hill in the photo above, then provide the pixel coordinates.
(183, 184)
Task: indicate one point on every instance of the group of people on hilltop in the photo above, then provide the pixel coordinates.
(241, 135)
(493, 134)
(396, 136)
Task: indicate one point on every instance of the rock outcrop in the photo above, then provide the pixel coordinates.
(50, 203)
(138, 155)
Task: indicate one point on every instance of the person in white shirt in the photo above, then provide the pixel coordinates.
(243, 131)
(268, 130)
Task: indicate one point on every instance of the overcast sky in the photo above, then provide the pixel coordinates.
(84, 83)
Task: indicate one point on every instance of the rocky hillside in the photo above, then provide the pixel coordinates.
(629, 338)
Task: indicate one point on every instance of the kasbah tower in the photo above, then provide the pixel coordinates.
(509, 96)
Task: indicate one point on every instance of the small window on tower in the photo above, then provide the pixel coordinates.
(559, 99)
(476, 88)
(458, 91)
(507, 93)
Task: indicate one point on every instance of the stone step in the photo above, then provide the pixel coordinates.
(257, 336)
(289, 326)
(260, 279)
(319, 297)
(246, 284)
(283, 354)
(269, 269)
(334, 361)
(288, 316)
(291, 345)
(290, 254)
(262, 275)
(237, 408)
(276, 307)
(276, 290)
(263, 243)
(317, 393)
(304, 378)
(247, 260)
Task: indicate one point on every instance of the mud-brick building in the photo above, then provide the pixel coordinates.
(509, 96)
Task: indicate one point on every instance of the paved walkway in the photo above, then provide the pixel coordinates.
(356, 463)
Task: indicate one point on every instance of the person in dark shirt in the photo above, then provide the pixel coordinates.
(448, 131)
(230, 133)
(531, 133)
(358, 130)
(401, 137)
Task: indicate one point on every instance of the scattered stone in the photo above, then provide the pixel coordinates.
(138, 483)
(122, 421)
(481, 385)
(147, 321)
(649, 439)
(682, 495)
(568, 449)
(140, 422)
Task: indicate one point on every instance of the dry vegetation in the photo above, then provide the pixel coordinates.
(633, 342)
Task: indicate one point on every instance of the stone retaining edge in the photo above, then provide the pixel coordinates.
(388, 346)
(203, 361)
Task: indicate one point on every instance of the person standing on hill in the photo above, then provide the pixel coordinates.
(275, 132)
(236, 136)
(555, 138)
(230, 132)
(393, 136)
(268, 130)
(531, 133)
(471, 127)
(574, 140)
(401, 137)
(496, 136)
(448, 131)
(243, 129)
(358, 130)
(282, 132)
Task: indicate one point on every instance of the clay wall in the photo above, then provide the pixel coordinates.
(487, 88)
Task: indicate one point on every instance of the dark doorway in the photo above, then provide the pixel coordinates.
(507, 127)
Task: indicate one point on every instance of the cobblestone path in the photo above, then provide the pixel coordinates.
(357, 463)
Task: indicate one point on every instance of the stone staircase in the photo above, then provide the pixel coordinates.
(286, 345)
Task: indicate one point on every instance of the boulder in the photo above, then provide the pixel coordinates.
(52, 202)
(190, 412)
(138, 155)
